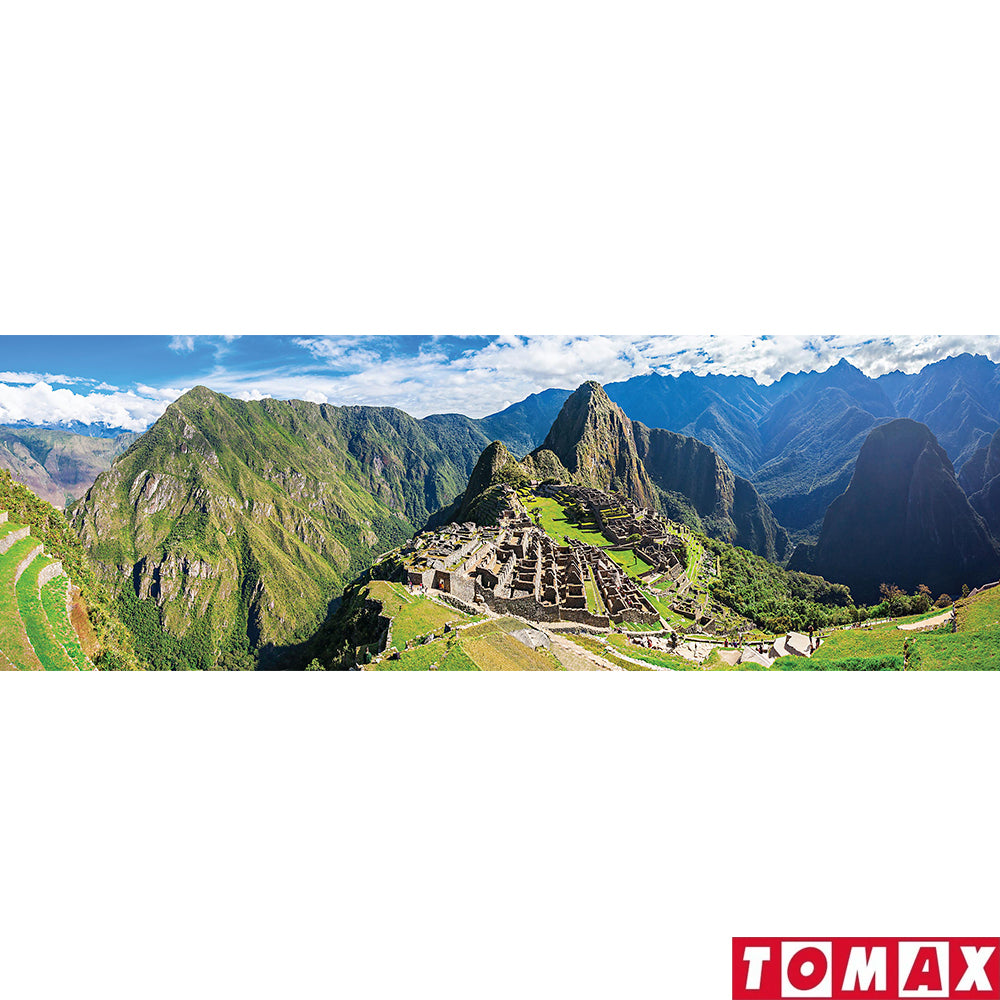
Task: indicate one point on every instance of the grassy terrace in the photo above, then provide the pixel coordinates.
(413, 616)
(486, 646)
(13, 637)
(552, 517)
(54, 603)
(36, 622)
(976, 644)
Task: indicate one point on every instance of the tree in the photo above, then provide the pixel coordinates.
(943, 601)
(315, 665)
(965, 590)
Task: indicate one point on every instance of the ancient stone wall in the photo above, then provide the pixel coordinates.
(26, 562)
(49, 573)
(12, 538)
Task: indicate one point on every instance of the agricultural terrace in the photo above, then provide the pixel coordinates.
(36, 622)
(35, 631)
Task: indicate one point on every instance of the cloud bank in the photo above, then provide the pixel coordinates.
(440, 375)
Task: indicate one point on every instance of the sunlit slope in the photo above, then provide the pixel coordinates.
(35, 630)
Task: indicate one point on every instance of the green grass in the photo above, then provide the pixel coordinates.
(976, 644)
(848, 644)
(500, 651)
(421, 657)
(552, 517)
(979, 612)
(54, 603)
(13, 637)
(487, 646)
(595, 603)
(956, 651)
(634, 565)
(413, 616)
(490, 626)
(36, 622)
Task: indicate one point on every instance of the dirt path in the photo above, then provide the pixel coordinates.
(574, 657)
(927, 622)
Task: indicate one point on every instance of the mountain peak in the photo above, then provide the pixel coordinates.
(904, 519)
(593, 440)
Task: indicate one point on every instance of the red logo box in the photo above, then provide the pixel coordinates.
(937, 968)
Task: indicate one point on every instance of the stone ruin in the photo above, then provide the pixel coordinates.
(515, 568)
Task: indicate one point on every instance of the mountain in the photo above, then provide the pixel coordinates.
(904, 519)
(689, 474)
(234, 524)
(720, 410)
(980, 478)
(491, 489)
(56, 465)
(523, 426)
(959, 400)
(592, 442)
(797, 439)
(813, 439)
(98, 430)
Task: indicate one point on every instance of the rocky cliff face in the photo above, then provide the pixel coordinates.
(729, 506)
(246, 519)
(980, 479)
(904, 519)
(593, 440)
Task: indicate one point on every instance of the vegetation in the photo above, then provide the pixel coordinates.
(36, 619)
(49, 527)
(855, 663)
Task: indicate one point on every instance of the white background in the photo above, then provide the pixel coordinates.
(461, 168)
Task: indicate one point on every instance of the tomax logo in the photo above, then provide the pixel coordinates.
(852, 968)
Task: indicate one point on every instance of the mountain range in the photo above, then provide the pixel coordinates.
(233, 526)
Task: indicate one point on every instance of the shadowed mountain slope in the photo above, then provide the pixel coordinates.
(903, 520)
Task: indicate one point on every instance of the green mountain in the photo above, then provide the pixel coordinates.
(903, 520)
(490, 491)
(235, 524)
(56, 465)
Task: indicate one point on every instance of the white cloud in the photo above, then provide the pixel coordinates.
(486, 379)
(482, 380)
(41, 403)
(182, 345)
(340, 353)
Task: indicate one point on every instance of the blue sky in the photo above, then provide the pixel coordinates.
(128, 381)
